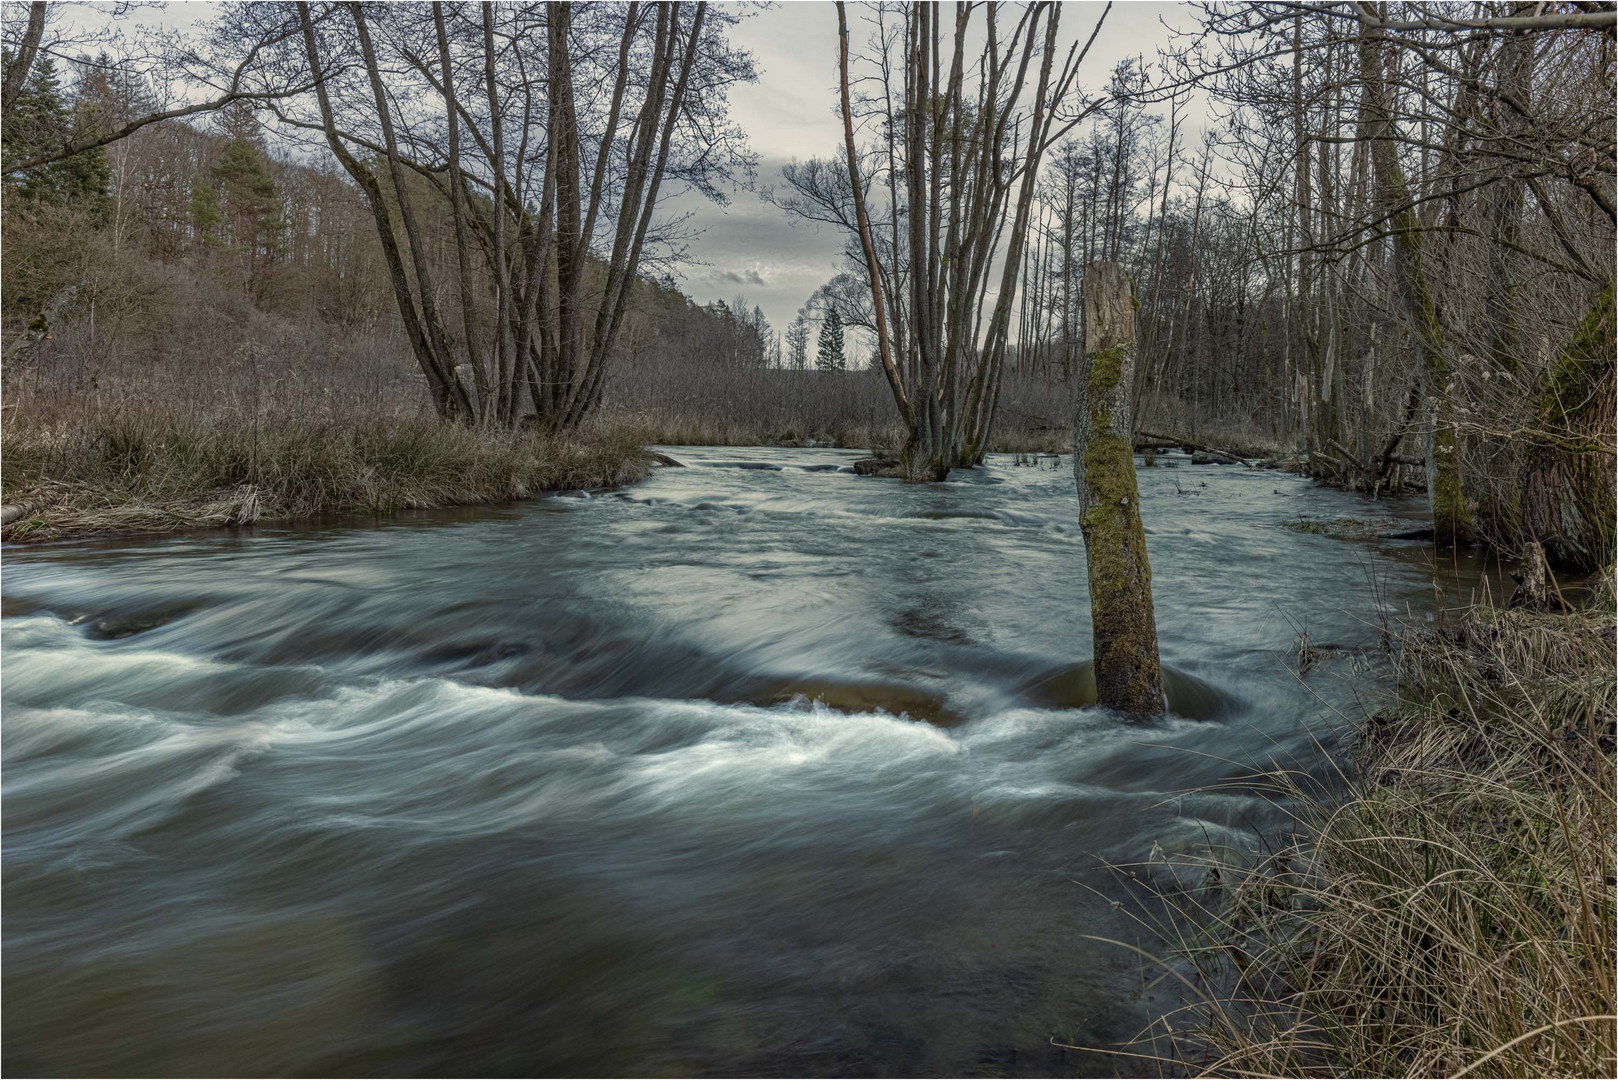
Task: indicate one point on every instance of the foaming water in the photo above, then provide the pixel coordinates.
(757, 767)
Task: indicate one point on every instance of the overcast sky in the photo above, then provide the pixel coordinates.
(750, 247)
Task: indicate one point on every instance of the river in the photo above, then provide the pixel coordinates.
(545, 789)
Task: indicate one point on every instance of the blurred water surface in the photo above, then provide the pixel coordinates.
(754, 768)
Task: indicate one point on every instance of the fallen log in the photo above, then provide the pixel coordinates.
(663, 459)
(1353, 459)
(11, 512)
(1232, 457)
(1143, 442)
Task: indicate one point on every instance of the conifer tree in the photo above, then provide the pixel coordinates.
(42, 118)
(831, 356)
(237, 203)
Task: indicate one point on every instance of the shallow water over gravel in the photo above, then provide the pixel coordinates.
(544, 788)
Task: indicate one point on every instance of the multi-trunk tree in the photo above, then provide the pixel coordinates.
(967, 107)
(549, 133)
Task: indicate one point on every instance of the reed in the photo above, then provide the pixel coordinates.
(158, 470)
(1446, 907)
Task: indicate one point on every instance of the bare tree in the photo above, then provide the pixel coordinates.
(551, 197)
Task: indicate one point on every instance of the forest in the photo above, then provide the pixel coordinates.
(1314, 300)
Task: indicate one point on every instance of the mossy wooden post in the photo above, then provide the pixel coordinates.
(1128, 675)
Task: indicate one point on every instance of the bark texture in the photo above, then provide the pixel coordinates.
(1452, 520)
(1129, 677)
(1568, 503)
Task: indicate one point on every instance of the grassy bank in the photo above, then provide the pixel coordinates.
(1452, 912)
(141, 470)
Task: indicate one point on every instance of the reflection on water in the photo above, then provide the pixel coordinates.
(764, 770)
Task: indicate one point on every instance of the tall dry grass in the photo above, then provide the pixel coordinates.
(161, 471)
(157, 447)
(1449, 911)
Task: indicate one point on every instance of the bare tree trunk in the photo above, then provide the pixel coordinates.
(867, 245)
(1567, 493)
(1452, 522)
(458, 213)
(426, 337)
(18, 66)
(1129, 677)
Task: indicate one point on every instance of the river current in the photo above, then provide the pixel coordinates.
(756, 767)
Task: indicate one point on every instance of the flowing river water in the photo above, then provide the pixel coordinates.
(757, 767)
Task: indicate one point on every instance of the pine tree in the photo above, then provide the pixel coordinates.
(831, 356)
(250, 196)
(236, 203)
(798, 343)
(40, 119)
(761, 330)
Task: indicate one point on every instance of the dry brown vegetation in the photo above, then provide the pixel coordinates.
(1450, 911)
(688, 402)
(258, 439)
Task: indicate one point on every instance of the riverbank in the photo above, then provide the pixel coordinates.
(1452, 912)
(147, 473)
(702, 429)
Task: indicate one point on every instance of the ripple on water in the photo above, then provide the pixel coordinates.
(763, 768)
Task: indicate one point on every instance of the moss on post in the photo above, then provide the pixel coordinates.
(1568, 503)
(1129, 677)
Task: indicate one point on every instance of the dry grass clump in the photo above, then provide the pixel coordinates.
(1452, 911)
(151, 470)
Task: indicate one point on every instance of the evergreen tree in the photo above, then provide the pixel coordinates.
(798, 343)
(40, 119)
(236, 203)
(831, 356)
(246, 196)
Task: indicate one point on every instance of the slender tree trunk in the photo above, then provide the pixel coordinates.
(1129, 677)
(458, 214)
(1452, 522)
(867, 244)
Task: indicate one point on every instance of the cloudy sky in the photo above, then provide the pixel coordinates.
(750, 247)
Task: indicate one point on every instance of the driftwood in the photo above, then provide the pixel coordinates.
(11, 512)
(663, 459)
(1230, 457)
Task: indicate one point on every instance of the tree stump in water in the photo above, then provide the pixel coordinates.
(877, 466)
(1533, 580)
(1129, 677)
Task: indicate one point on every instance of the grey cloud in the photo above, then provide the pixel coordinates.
(741, 277)
(792, 112)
